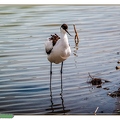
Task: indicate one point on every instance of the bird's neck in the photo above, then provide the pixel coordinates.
(64, 39)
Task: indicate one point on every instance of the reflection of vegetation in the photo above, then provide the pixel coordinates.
(75, 51)
(56, 108)
(76, 39)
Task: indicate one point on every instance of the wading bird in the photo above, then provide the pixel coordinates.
(58, 48)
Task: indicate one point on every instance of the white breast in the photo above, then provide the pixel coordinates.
(59, 53)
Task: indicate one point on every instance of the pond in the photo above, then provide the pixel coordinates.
(25, 71)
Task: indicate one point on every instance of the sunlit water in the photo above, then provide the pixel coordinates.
(25, 71)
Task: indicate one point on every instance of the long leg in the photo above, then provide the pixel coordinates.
(61, 84)
(50, 84)
(51, 68)
(51, 93)
(61, 67)
(50, 78)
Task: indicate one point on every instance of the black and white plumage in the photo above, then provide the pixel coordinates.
(58, 48)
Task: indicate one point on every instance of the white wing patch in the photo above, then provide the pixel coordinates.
(48, 46)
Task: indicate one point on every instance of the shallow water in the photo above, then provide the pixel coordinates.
(24, 68)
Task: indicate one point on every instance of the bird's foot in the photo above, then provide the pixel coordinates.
(61, 71)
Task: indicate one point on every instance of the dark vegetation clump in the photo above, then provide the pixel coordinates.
(115, 93)
(96, 81)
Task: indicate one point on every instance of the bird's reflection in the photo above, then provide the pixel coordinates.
(56, 108)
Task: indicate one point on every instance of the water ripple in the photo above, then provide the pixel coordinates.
(24, 68)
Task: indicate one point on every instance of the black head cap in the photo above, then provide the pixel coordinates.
(65, 27)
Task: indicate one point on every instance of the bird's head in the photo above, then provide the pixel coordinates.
(64, 28)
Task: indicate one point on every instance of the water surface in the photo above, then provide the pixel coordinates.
(24, 68)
